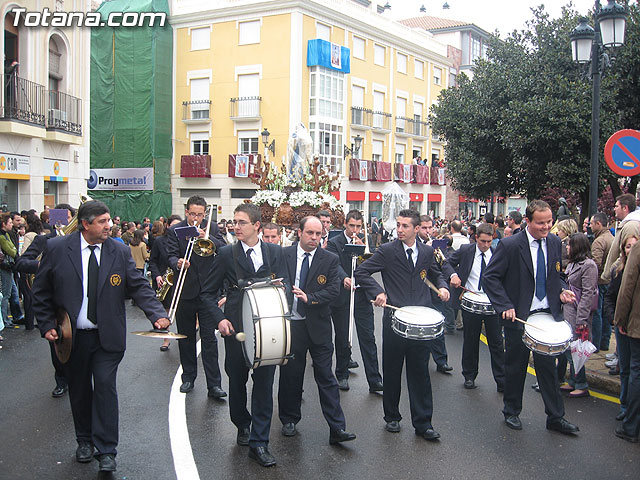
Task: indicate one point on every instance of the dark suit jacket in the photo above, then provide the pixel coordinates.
(58, 284)
(460, 262)
(159, 259)
(223, 275)
(27, 262)
(509, 280)
(322, 289)
(200, 266)
(336, 246)
(403, 286)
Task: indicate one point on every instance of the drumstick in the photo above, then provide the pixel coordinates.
(431, 285)
(530, 324)
(470, 291)
(397, 308)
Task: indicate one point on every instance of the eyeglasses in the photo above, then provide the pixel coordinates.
(241, 223)
(195, 215)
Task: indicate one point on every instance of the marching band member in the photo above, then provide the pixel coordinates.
(325, 218)
(363, 312)
(404, 264)
(191, 306)
(465, 267)
(316, 285)
(522, 278)
(271, 234)
(246, 260)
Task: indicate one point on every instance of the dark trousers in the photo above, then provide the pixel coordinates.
(292, 378)
(91, 373)
(188, 311)
(629, 358)
(395, 349)
(437, 346)
(363, 314)
(470, 346)
(27, 301)
(59, 375)
(261, 395)
(340, 318)
(516, 362)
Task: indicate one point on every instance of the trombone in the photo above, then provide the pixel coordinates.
(354, 262)
(204, 247)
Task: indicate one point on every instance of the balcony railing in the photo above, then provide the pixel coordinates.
(361, 117)
(411, 126)
(419, 128)
(245, 108)
(64, 112)
(381, 121)
(196, 111)
(24, 100)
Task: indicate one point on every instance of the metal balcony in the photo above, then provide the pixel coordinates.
(196, 111)
(361, 118)
(64, 112)
(245, 108)
(381, 121)
(23, 100)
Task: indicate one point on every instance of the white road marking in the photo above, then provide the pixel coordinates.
(183, 461)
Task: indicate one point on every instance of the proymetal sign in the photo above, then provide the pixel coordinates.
(120, 179)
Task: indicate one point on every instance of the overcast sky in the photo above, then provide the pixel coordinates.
(503, 15)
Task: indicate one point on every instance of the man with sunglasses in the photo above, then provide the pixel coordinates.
(191, 305)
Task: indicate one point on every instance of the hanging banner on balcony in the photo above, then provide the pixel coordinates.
(244, 166)
(364, 170)
(406, 174)
(382, 171)
(120, 179)
(56, 170)
(422, 174)
(15, 167)
(441, 179)
(329, 55)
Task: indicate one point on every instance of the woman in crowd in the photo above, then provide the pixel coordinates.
(566, 228)
(159, 262)
(6, 274)
(627, 323)
(34, 228)
(582, 278)
(116, 233)
(139, 250)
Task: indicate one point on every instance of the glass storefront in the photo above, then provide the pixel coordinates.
(9, 195)
(50, 194)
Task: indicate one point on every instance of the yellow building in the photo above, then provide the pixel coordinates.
(44, 156)
(336, 66)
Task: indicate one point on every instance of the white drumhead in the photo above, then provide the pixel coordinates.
(549, 332)
(416, 315)
(480, 297)
(248, 308)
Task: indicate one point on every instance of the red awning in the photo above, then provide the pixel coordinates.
(375, 197)
(355, 196)
(463, 199)
(416, 197)
(434, 197)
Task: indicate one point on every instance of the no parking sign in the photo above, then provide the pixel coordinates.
(622, 152)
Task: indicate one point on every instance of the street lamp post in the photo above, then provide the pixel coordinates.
(588, 46)
(357, 142)
(268, 146)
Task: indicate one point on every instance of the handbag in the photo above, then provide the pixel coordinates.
(578, 293)
(7, 262)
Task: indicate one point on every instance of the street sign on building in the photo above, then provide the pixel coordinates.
(622, 152)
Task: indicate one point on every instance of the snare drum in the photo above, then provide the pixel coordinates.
(477, 303)
(417, 323)
(550, 338)
(265, 322)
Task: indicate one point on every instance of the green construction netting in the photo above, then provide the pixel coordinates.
(131, 107)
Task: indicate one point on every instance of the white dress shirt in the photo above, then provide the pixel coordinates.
(256, 255)
(537, 304)
(299, 259)
(414, 249)
(83, 323)
(474, 274)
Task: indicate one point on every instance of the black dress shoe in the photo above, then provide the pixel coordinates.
(513, 422)
(393, 426)
(216, 392)
(289, 429)
(107, 463)
(339, 436)
(429, 434)
(242, 438)
(262, 456)
(84, 452)
(620, 433)
(469, 384)
(376, 387)
(59, 391)
(444, 368)
(343, 384)
(563, 426)
(620, 416)
(186, 387)
(353, 364)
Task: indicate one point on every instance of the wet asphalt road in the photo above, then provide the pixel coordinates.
(38, 439)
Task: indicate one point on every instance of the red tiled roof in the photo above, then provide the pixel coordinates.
(432, 23)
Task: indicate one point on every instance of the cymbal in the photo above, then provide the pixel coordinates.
(159, 334)
(63, 345)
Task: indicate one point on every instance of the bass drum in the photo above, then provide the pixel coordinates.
(265, 322)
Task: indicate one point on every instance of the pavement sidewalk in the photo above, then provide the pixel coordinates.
(598, 375)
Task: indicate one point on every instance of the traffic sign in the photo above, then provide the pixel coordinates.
(622, 152)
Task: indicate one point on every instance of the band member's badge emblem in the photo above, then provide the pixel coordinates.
(322, 279)
(115, 280)
(423, 274)
(273, 276)
(557, 266)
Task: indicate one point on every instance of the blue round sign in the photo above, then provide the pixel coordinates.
(93, 180)
(622, 152)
